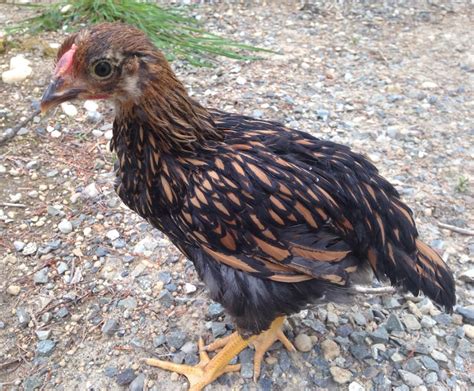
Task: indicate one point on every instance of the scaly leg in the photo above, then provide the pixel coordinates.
(208, 369)
(261, 343)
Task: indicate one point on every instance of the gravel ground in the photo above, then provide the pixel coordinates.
(87, 288)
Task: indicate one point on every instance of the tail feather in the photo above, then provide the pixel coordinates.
(423, 271)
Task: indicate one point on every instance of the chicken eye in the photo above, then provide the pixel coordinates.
(102, 69)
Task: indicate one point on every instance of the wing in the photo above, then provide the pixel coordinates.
(257, 206)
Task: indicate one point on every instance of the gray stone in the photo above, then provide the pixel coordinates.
(45, 348)
(62, 267)
(129, 303)
(410, 379)
(62, 312)
(2, 325)
(410, 322)
(427, 322)
(379, 335)
(393, 324)
(218, 329)
(159, 340)
(166, 298)
(189, 348)
(41, 276)
(125, 377)
(110, 327)
(46, 317)
(23, 317)
(360, 319)
(176, 339)
(246, 370)
(215, 310)
(138, 383)
(431, 378)
(303, 343)
(466, 312)
(90, 191)
(149, 243)
(360, 352)
(110, 372)
(412, 365)
(43, 334)
(32, 383)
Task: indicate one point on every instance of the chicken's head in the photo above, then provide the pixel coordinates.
(107, 61)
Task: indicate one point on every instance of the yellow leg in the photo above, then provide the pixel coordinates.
(261, 343)
(208, 369)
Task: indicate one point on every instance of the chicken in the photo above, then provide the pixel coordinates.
(272, 218)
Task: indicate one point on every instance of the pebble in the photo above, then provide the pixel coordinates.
(189, 288)
(303, 342)
(218, 329)
(176, 339)
(110, 327)
(340, 375)
(90, 191)
(19, 245)
(215, 310)
(129, 303)
(23, 317)
(125, 377)
(43, 334)
(30, 249)
(410, 322)
(241, 80)
(41, 276)
(65, 226)
(410, 379)
(32, 383)
(69, 109)
(469, 330)
(466, 312)
(330, 349)
(55, 134)
(14, 290)
(354, 386)
(138, 383)
(62, 267)
(379, 335)
(467, 276)
(45, 348)
(429, 85)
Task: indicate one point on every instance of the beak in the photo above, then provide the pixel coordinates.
(58, 91)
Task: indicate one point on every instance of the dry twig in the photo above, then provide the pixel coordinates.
(8, 136)
(459, 230)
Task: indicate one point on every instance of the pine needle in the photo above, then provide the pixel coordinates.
(177, 35)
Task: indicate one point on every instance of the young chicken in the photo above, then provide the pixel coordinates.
(273, 218)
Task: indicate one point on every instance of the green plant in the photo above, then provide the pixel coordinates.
(463, 184)
(176, 34)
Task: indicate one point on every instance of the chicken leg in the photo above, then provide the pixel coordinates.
(209, 370)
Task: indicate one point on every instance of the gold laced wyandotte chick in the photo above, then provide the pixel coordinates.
(272, 218)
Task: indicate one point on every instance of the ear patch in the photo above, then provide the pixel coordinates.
(65, 62)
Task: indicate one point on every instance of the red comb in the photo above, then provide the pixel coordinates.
(65, 62)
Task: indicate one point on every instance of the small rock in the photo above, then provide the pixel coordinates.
(176, 339)
(189, 348)
(45, 348)
(112, 234)
(467, 275)
(138, 383)
(43, 334)
(158, 341)
(466, 312)
(410, 379)
(218, 329)
(360, 319)
(41, 276)
(110, 327)
(303, 343)
(340, 375)
(439, 356)
(431, 378)
(23, 317)
(411, 322)
(90, 105)
(69, 109)
(354, 386)
(330, 349)
(110, 372)
(189, 288)
(427, 322)
(32, 383)
(241, 80)
(469, 330)
(379, 335)
(125, 377)
(429, 85)
(18, 245)
(90, 191)
(55, 134)
(62, 312)
(215, 310)
(62, 267)
(30, 249)
(128, 303)
(149, 243)
(65, 226)
(14, 290)
(16, 75)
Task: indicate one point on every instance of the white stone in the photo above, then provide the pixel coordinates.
(469, 330)
(14, 290)
(69, 109)
(189, 288)
(15, 197)
(97, 133)
(241, 80)
(91, 191)
(19, 61)
(113, 234)
(55, 134)
(354, 386)
(108, 134)
(16, 75)
(65, 226)
(91, 105)
(429, 85)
